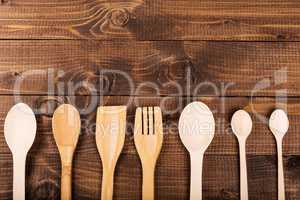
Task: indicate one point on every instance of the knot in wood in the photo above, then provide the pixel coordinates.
(119, 17)
(45, 189)
(2, 2)
(281, 37)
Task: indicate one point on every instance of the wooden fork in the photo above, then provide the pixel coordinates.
(148, 138)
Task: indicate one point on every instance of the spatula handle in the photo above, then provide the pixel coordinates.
(148, 183)
(196, 175)
(243, 171)
(281, 191)
(107, 185)
(19, 177)
(66, 182)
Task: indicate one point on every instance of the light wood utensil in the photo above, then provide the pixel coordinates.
(241, 125)
(279, 125)
(196, 130)
(110, 137)
(148, 138)
(66, 129)
(19, 132)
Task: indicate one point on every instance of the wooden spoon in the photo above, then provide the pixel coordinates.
(241, 125)
(196, 130)
(66, 130)
(279, 125)
(110, 137)
(19, 133)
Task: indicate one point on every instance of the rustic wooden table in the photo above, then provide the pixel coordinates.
(230, 54)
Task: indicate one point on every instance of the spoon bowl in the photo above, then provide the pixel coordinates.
(20, 128)
(241, 124)
(196, 127)
(66, 126)
(279, 123)
(19, 132)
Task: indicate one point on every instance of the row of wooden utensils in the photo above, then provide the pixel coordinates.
(196, 130)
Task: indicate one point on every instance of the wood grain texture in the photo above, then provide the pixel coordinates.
(221, 169)
(84, 52)
(150, 19)
(177, 68)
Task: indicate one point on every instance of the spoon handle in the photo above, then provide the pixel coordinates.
(243, 171)
(281, 191)
(196, 175)
(107, 184)
(66, 181)
(19, 177)
(148, 182)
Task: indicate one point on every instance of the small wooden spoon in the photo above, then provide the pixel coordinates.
(66, 130)
(241, 124)
(19, 133)
(110, 137)
(279, 125)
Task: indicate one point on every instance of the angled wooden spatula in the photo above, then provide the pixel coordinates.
(148, 138)
(110, 137)
(66, 130)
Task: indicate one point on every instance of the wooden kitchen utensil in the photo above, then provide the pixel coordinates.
(66, 130)
(110, 137)
(241, 125)
(148, 138)
(196, 130)
(279, 125)
(19, 133)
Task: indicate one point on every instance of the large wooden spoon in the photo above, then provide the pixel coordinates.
(66, 130)
(19, 133)
(196, 130)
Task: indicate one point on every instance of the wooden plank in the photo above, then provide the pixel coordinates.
(150, 19)
(149, 68)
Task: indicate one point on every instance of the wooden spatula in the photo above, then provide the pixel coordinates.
(66, 130)
(148, 138)
(110, 137)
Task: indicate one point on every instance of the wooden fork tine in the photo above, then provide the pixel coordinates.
(138, 126)
(158, 121)
(150, 120)
(145, 121)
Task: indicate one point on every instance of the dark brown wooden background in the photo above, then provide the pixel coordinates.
(173, 44)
